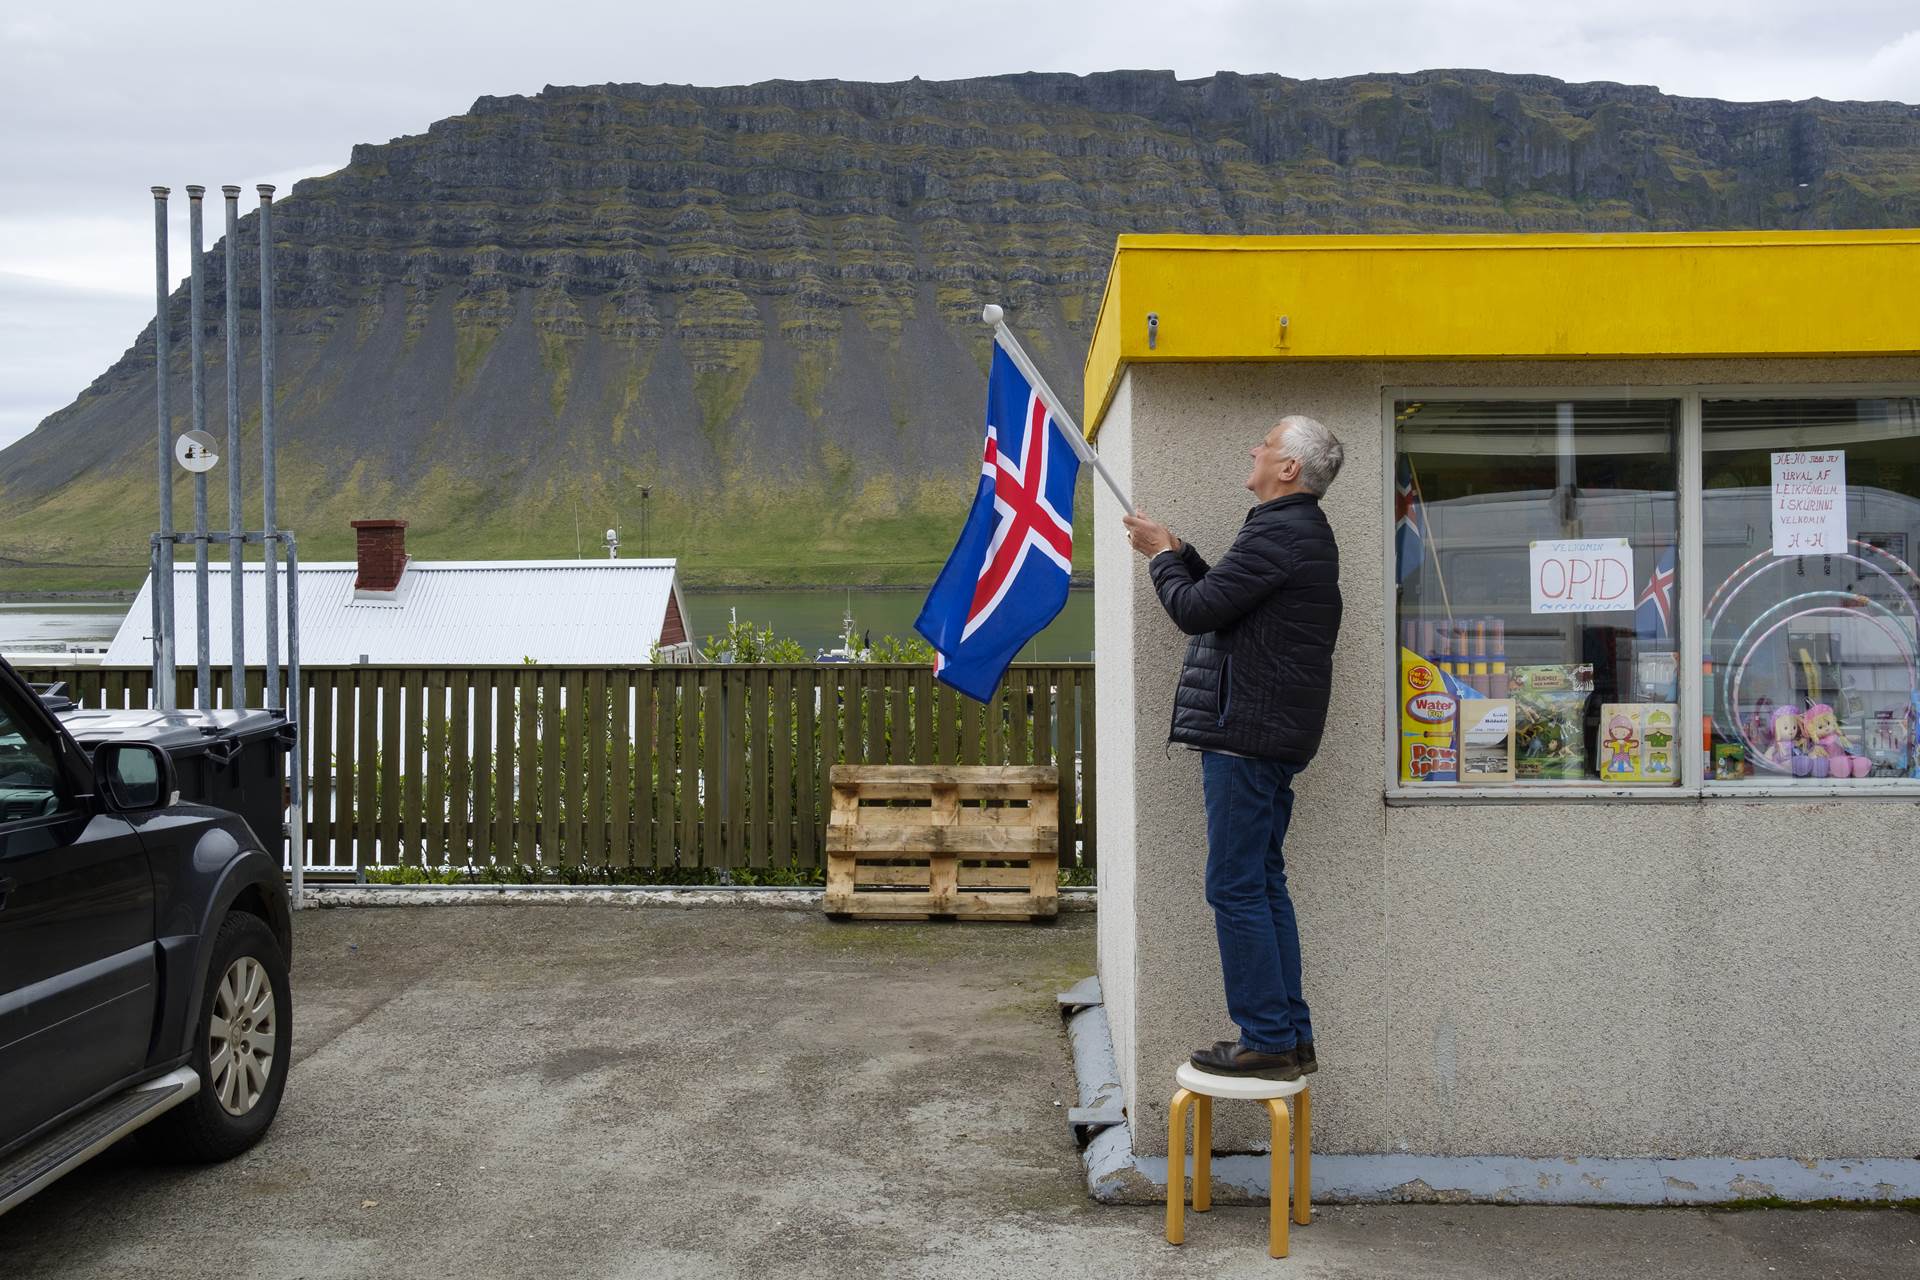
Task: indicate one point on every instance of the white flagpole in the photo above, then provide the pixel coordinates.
(996, 317)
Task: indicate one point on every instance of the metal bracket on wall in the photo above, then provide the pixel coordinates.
(1084, 994)
(1153, 329)
(1102, 1104)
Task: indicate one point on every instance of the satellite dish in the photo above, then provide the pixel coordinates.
(196, 451)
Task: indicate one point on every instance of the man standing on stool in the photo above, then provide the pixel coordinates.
(1252, 699)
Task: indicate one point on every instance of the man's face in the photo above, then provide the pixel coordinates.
(1272, 470)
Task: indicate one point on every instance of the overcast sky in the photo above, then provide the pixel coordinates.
(102, 100)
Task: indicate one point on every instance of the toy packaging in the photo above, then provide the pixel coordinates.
(1486, 739)
(1549, 710)
(1656, 743)
(1729, 762)
(1428, 750)
(1888, 742)
(1656, 676)
(1635, 742)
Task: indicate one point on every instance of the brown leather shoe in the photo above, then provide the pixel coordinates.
(1230, 1058)
(1307, 1064)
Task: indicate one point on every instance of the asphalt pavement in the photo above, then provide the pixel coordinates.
(643, 1091)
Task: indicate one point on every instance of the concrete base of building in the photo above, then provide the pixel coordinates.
(633, 895)
(1116, 1175)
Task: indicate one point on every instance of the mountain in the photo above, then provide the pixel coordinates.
(761, 301)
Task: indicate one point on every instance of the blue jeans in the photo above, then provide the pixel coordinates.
(1249, 803)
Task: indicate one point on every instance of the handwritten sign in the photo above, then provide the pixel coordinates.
(1809, 503)
(1581, 575)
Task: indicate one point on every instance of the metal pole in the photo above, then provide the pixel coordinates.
(197, 310)
(269, 545)
(236, 513)
(992, 315)
(163, 553)
(296, 705)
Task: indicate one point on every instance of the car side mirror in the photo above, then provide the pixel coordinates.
(134, 776)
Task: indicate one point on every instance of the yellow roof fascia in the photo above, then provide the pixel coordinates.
(1503, 297)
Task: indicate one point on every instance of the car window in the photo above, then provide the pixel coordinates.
(31, 782)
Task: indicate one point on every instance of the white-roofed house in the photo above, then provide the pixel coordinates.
(384, 609)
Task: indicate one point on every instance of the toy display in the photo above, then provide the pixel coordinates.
(1769, 741)
(1887, 742)
(1656, 675)
(1783, 751)
(1470, 650)
(1913, 734)
(1830, 751)
(1619, 743)
(1729, 762)
(1428, 711)
(1549, 710)
(1486, 740)
(1656, 761)
(1636, 741)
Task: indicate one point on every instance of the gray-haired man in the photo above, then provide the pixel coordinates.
(1252, 698)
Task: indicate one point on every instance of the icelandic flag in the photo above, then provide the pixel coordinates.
(1409, 525)
(1653, 613)
(1007, 576)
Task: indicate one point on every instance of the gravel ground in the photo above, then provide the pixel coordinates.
(615, 1091)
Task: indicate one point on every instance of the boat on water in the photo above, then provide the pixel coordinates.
(846, 651)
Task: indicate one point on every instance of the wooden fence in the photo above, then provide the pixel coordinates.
(650, 766)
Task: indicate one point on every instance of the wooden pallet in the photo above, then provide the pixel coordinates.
(975, 842)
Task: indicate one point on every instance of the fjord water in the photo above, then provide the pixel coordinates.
(813, 617)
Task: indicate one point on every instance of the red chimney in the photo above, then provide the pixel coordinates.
(382, 554)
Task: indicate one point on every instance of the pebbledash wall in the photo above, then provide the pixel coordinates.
(1617, 979)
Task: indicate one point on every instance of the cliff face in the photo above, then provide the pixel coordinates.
(761, 300)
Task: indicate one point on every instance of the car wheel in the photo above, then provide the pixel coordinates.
(241, 1052)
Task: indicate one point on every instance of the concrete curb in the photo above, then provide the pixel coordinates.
(626, 895)
(1116, 1175)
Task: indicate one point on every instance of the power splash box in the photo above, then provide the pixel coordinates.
(1486, 739)
(1429, 750)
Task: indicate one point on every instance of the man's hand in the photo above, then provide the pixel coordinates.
(1148, 536)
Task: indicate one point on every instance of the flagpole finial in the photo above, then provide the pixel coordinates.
(992, 314)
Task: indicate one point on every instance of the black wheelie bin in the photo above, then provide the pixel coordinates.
(234, 760)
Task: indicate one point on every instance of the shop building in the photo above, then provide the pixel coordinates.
(1608, 870)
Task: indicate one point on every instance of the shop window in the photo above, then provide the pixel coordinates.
(1811, 524)
(1535, 556)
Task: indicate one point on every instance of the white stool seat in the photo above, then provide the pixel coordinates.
(1289, 1104)
(1251, 1088)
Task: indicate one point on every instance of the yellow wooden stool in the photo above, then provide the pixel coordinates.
(1197, 1091)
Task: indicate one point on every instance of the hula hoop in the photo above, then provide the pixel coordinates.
(1897, 562)
(1899, 642)
(1856, 603)
(1714, 616)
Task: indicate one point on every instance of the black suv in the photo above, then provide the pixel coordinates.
(144, 942)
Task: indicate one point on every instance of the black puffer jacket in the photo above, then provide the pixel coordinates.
(1259, 670)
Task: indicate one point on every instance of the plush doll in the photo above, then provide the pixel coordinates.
(1829, 747)
(1786, 753)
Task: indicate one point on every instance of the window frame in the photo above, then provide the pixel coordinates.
(1694, 787)
(71, 793)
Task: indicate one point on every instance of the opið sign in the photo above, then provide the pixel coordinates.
(1581, 575)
